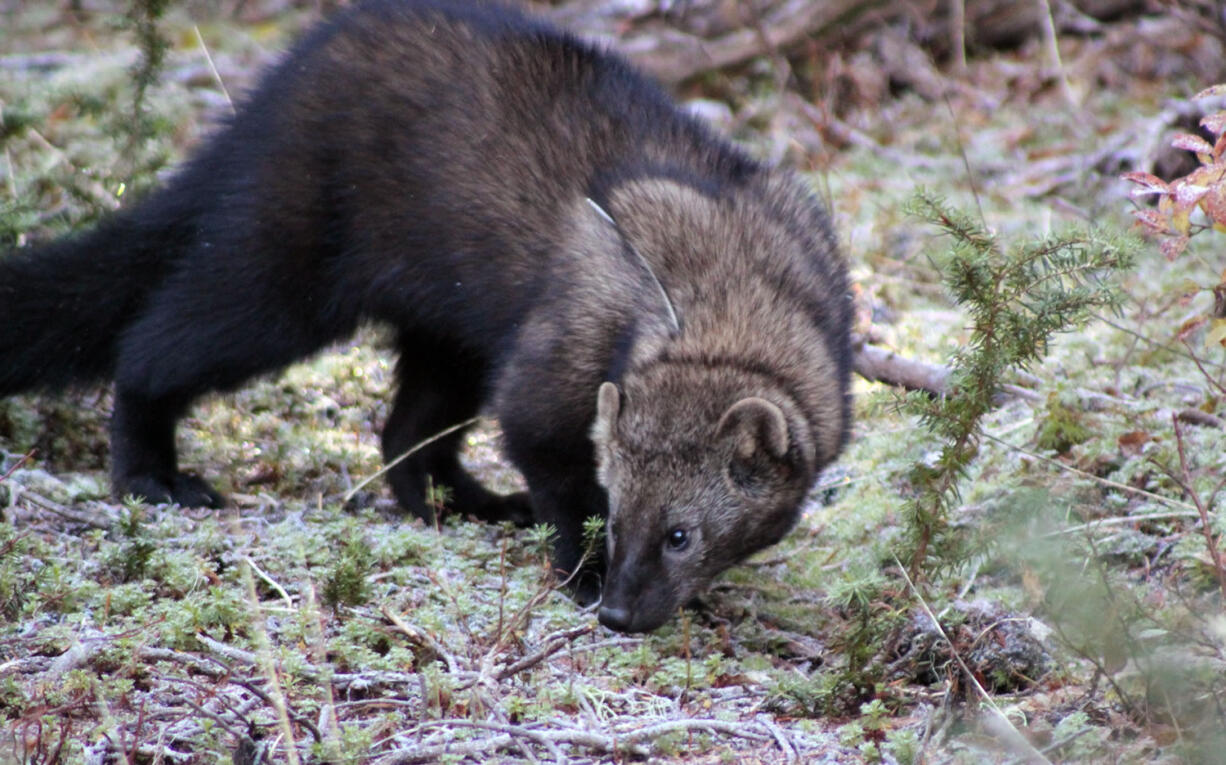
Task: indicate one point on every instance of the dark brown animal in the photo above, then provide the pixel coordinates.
(549, 236)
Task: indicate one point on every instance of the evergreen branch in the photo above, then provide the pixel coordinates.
(1017, 299)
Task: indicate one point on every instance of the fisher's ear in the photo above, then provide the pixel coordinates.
(758, 432)
(604, 429)
(608, 406)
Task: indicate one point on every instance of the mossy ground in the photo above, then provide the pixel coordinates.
(1086, 602)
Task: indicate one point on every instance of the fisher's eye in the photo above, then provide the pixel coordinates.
(677, 539)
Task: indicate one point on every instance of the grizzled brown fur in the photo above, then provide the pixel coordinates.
(543, 229)
(719, 431)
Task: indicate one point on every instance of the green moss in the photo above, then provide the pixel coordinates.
(21, 568)
(345, 583)
(1062, 427)
(218, 611)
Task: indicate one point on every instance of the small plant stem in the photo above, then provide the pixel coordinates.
(1150, 341)
(269, 669)
(1099, 480)
(319, 648)
(16, 466)
(10, 177)
(966, 161)
(409, 453)
(1053, 52)
(1206, 526)
(689, 659)
(1196, 360)
(285, 598)
(213, 68)
(502, 586)
(957, 32)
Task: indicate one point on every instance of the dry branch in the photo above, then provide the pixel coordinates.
(1194, 416)
(879, 365)
(687, 39)
(673, 54)
(104, 517)
(626, 739)
(884, 366)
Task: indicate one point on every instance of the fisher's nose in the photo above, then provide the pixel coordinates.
(615, 618)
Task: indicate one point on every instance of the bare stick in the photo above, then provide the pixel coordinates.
(423, 638)
(17, 465)
(628, 741)
(673, 55)
(268, 668)
(957, 30)
(213, 68)
(1206, 526)
(409, 453)
(102, 520)
(879, 365)
(1053, 52)
(289, 603)
(228, 651)
(1097, 479)
(552, 645)
(90, 188)
(1194, 416)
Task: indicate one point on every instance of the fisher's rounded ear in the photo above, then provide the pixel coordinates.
(604, 429)
(608, 406)
(759, 434)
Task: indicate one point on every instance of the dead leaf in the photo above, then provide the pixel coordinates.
(1214, 205)
(1171, 248)
(1211, 91)
(1217, 333)
(1132, 442)
(1152, 220)
(1192, 143)
(1150, 184)
(1215, 123)
(1190, 326)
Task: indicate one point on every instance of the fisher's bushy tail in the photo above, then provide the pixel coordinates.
(64, 305)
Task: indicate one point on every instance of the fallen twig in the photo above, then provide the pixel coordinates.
(421, 638)
(673, 55)
(228, 651)
(628, 740)
(1193, 416)
(23, 459)
(551, 645)
(879, 365)
(104, 519)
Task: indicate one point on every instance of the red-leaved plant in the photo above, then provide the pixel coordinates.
(1204, 188)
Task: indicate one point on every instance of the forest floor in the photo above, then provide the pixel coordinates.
(1082, 620)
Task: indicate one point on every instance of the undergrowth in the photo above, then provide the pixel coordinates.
(1016, 300)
